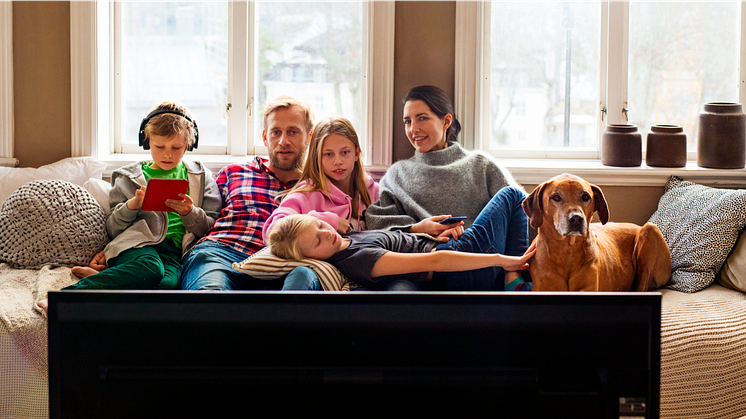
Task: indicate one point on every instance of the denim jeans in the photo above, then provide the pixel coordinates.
(501, 227)
(209, 266)
(303, 279)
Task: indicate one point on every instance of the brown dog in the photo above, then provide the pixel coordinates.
(573, 254)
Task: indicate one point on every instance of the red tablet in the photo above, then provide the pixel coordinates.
(159, 190)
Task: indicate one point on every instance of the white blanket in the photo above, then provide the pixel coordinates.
(20, 289)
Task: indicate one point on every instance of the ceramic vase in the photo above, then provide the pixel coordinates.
(721, 141)
(666, 146)
(621, 145)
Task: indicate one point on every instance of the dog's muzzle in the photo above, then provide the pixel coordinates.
(573, 224)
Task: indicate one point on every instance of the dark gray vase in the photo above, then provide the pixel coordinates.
(666, 146)
(621, 145)
(721, 141)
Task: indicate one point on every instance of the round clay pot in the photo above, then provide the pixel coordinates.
(621, 145)
(666, 146)
(721, 143)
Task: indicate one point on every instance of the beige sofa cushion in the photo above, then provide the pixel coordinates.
(733, 273)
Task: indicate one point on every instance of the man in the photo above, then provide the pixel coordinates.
(248, 191)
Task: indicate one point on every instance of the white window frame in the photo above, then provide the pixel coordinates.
(6, 85)
(93, 115)
(533, 167)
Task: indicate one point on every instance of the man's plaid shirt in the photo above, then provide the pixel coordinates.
(248, 191)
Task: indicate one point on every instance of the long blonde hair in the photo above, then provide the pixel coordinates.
(283, 239)
(313, 171)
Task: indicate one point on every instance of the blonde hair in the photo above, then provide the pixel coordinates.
(286, 102)
(313, 169)
(283, 239)
(170, 124)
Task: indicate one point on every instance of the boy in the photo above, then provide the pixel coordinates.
(147, 246)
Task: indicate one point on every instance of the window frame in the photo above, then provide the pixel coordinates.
(6, 85)
(93, 116)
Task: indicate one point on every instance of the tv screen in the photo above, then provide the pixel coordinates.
(192, 354)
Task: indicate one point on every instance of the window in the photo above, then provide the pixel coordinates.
(224, 60)
(681, 55)
(555, 73)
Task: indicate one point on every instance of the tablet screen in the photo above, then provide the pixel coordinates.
(159, 190)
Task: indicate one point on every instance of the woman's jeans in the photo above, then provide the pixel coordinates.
(501, 227)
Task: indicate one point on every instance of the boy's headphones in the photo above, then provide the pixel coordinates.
(145, 143)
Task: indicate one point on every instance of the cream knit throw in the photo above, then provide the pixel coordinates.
(20, 289)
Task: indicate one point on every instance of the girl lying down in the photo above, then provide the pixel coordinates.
(375, 258)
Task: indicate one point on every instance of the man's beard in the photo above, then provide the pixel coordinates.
(295, 164)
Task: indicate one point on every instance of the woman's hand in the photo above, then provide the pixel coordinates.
(343, 225)
(518, 263)
(136, 201)
(182, 206)
(454, 232)
(432, 226)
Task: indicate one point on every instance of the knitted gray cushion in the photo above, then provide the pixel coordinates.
(700, 225)
(51, 222)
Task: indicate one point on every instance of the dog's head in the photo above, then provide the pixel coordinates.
(567, 202)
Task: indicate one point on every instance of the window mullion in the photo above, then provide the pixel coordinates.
(616, 65)
(240, 49)
(601, 116)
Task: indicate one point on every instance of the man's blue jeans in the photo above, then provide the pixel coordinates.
(501, 227)
(209, 266)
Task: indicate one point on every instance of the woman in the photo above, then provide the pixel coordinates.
(444, 179)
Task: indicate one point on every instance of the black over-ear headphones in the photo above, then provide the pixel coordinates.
(145, 143)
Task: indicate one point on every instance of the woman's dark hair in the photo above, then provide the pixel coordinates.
(439, 104)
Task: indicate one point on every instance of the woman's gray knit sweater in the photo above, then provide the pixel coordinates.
(450, 181)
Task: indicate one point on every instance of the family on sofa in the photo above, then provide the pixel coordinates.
(223, 221)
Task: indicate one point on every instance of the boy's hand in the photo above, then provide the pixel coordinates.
(432, 226)
(136, 202)
(343, 225)
(182, 206)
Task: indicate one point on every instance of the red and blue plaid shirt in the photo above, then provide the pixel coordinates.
(248, 191)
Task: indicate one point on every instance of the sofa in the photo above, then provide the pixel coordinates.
(703, 342)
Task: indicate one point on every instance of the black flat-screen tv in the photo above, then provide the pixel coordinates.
(191, 354)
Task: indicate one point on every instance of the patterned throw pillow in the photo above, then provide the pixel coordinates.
(700, 225)
(51, 222)
(264, 265)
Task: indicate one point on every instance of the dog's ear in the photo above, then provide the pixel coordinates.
(533, 206)
(600, 202)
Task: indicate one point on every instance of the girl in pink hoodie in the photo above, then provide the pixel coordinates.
(333, 186)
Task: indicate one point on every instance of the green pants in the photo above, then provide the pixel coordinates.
(146, 267)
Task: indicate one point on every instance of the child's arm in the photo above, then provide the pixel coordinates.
(121, 215)
(200, 219)
(392, 263)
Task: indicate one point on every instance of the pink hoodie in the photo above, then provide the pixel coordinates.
(324, 206)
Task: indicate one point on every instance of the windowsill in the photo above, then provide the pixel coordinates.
(525, 171)
(535, 171)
